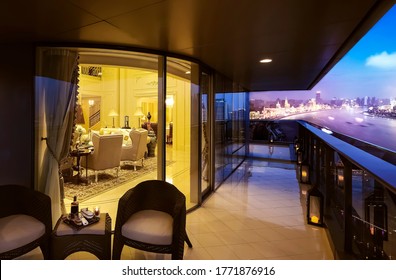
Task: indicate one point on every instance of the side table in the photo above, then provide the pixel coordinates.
(94, 238)
(78, 154)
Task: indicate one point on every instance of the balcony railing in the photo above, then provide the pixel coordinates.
(359, 190)
(356, 179)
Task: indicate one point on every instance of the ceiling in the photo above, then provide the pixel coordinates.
(304, 38)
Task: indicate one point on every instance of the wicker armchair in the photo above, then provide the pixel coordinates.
(152, 217)
(25, 221)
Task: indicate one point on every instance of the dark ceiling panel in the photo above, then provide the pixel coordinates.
(101, 32)
(43, 18)
(106, 9)
(304, 38)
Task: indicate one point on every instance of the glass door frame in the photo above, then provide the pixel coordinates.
(209, 130)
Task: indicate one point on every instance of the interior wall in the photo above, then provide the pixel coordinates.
(107, 88)
(141, 91)
(16, 113)
(125, 89)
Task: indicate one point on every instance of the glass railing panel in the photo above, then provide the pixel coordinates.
(272, 140)
(359, 195)
(373, 218)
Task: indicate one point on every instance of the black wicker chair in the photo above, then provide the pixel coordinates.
(23, 209)
(148, 205)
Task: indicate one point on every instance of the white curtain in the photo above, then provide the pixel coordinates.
(56, 86)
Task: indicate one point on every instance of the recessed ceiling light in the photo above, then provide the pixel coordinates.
(266, 60)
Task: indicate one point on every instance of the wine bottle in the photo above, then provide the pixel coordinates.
(74, 206)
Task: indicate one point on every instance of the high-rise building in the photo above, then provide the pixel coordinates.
(318, 98)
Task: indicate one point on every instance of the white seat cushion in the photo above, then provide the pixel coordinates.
(149, 226)
(19, 230)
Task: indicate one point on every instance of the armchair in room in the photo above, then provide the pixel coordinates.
(152, 125)
(152, 133)
(152, 217)
(25, 221)
(136, 151)
(106, 155)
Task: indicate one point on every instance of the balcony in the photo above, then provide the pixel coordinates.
(356, 179)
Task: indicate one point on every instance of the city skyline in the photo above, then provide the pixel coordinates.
(368, 69)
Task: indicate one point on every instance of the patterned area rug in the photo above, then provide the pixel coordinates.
(107, 179)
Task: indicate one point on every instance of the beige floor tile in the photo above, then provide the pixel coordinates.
(231, 237)
(197, 254)
(246, 252)
(289, 246)
(198, 228)
(269, 250)
(249, 235)
(218, 226)
(221, 253)
(270, 234)
(209, 239)
(235, 225)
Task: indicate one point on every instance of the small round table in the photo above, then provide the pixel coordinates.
(78, 154)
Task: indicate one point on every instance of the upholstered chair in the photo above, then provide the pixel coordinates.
(25, 221)
(137, 150)
(152, 217)
(153, 126)
(106, 155)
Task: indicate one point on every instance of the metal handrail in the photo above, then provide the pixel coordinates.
(381, 170)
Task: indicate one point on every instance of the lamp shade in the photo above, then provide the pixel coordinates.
(169, 101)
(113, 113)
(138, 112)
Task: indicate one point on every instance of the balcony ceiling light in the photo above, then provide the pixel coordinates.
(266, 60)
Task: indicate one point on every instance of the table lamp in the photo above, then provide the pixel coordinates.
(139, 114)
(113, 114)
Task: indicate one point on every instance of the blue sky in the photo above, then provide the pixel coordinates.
(368, 69)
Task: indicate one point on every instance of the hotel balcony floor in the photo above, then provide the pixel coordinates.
(257, 213)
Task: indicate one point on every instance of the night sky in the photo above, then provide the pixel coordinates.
(368, 69)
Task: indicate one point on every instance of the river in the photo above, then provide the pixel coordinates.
(353, 122)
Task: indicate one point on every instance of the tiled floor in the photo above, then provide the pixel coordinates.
(258, 213)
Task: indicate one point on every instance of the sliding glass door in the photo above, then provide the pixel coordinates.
(182, 157)
(120, 92)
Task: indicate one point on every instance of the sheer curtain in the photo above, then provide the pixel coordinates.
(56, 92)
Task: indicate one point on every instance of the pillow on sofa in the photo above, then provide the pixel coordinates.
(126, 139)
(125, 133)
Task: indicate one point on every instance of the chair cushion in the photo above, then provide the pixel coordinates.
(19, 230)
(149, 226)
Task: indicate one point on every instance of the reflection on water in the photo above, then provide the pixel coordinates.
(376, 130)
